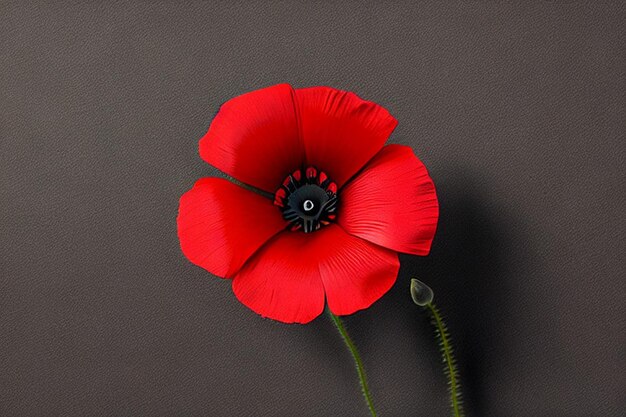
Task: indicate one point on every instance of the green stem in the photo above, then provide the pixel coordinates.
(357, 360)
(448, 358)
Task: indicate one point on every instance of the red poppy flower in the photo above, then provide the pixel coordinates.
(343, 205)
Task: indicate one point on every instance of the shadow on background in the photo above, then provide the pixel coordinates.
(473, 252)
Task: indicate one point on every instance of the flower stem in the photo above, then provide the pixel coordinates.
(441, 332)
(357, 360)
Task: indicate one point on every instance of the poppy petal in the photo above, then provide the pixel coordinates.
(340, 131)
(254, 138)
(392, 203)
(286, 279)
(282, 280)
(355, 273)
(220, 225)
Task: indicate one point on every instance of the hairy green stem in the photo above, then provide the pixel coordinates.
(451, 372)
(357, 360)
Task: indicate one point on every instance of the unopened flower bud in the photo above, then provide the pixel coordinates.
(421, 293)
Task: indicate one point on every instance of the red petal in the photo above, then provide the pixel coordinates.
(392, 203)
(254, 138)
(220, 225)
(355, 272)
(286, 279)
(340, 131)
(282, 280)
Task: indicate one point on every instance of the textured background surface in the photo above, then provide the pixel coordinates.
(518, 112)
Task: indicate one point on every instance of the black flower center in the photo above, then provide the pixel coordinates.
(308, 200)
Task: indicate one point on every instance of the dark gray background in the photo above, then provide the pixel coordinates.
(518, 112)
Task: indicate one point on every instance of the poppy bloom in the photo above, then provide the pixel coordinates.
(342, 205)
